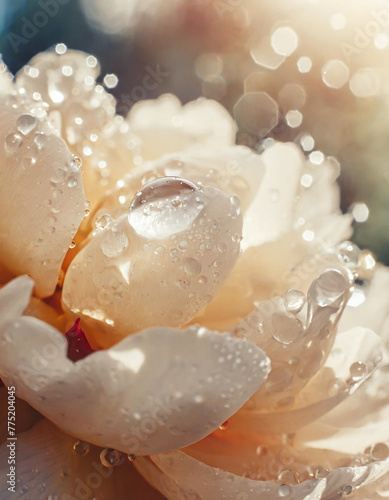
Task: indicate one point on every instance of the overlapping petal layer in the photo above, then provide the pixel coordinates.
(41, 193)
(204, 377)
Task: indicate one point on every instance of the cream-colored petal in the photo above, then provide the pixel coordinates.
(356, 353)
(41, 194)
(165, 126)
(65, 79)
(204, 377)
(369, 306)
(297, 332)
(271, 213)
(200, 481)
(47, 468)
(157, 266)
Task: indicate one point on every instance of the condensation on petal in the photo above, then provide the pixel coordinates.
(330, 387)
(175, 472)
(298, 343)
(42, 197)
(49, 468)
(204, 377)
(159, 265)
(66, 81)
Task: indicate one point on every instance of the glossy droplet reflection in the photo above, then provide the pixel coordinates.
(13, 143)
(294, 300)
(81, 449)
(26, 123)
(327, 288)
(164, 207)
(114, 243)
(111, 458)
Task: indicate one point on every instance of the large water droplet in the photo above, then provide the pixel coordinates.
(152, 213)
(285, 329)
(26, 123)
(380, 451)
(358, 370)
(327, 288)
(114, 243)
(294, 300)
(284, 490)
(349, 253)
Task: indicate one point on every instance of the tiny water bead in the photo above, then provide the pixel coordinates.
(26, 123)
(294, 300)
(13, 143)
(284, 490)
(164, 207)
(111, 458)
(75, 162)
(358, 370)
(114, 243)
(102, 221)
(380, 451)
(224, 426)
(349, 253)
(81, 449)
(131, 457)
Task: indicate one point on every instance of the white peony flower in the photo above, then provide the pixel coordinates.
(219, 337)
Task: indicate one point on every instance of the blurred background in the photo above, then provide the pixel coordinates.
(315, 72)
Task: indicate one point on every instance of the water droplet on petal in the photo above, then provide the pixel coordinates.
(75, 162)
(349, 253)
(284, 490)
(358, 370)
(152, 213)
(192, 267)
(321, 472)
(346, 490)
(294, 300)
(114, 243)
(13, 142)
(224, 426)
(110, 458)
(131, 457)
(327, 288)
(26, 123)
(40, 140)
(380, 451)
(102, 221)
(81, 449)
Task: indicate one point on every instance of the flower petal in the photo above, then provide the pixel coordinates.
(356, 349)
(370, 307)
(41, 194)
(158, 265)
(201, 481)
(297, 341)
(165, 126)
(48, 468)
(236, 170)
(204, 377)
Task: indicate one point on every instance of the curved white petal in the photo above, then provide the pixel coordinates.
(370, 307)
(203, 378)
(165, 126)
(41, 194)
(297, 341)
(157, 266)
(48, 468)
(66, 82)
(330, 387)
(175, 472)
